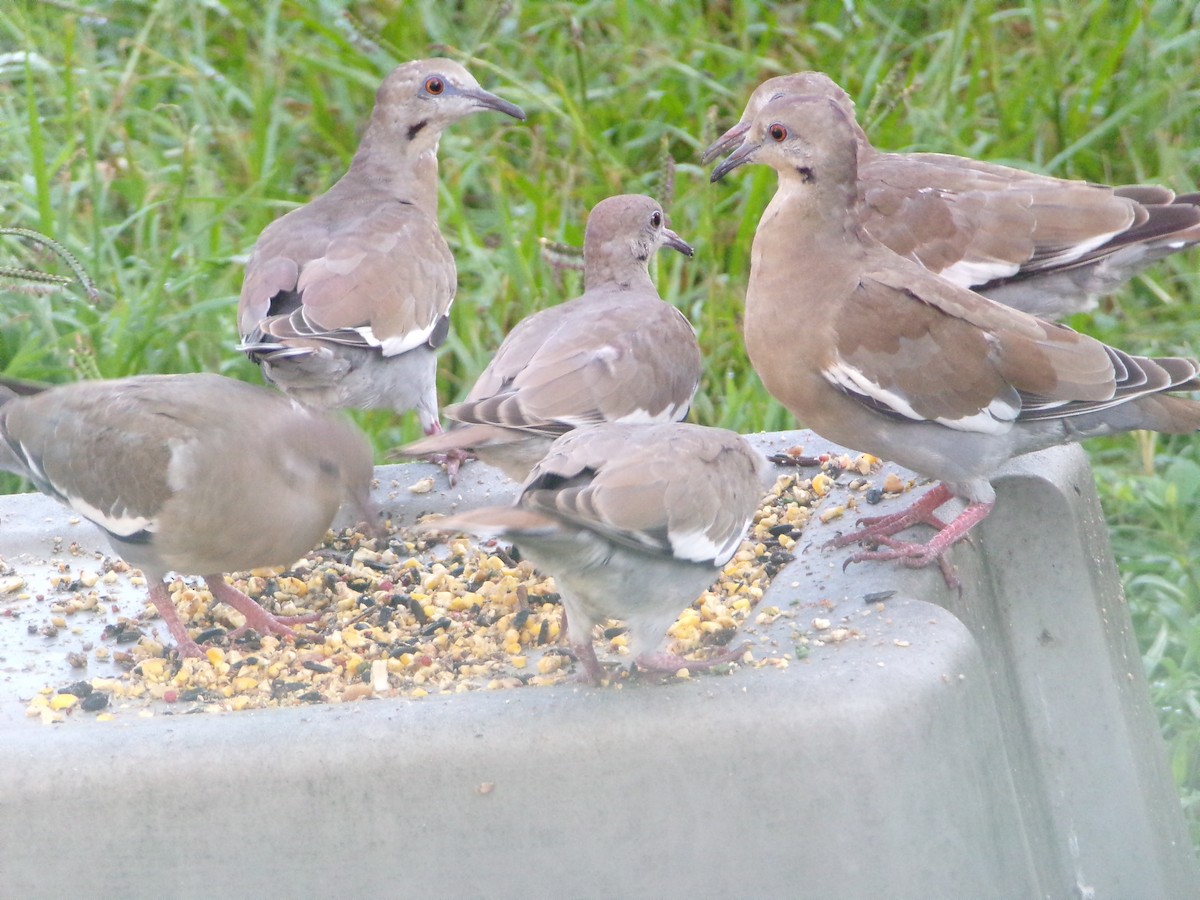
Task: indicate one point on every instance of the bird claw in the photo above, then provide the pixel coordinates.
(910, 555)
(880, 527)
(272, 624)
(451, 461)
(256, 617)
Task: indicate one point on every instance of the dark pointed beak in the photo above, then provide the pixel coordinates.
(724, 143)
(738, 157)
(675, 242)
(486, 100)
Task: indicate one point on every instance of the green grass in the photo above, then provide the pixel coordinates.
(154, 140)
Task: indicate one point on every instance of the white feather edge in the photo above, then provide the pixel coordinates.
(969, 273)
(698, 546)
(400, 343)
(122, 526)
(996, 418)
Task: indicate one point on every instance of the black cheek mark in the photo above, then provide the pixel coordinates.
(806, 174)
(414, 130)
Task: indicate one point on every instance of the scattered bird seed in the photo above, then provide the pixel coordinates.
(428, 613)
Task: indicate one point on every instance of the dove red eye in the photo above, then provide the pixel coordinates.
(777, 132)
(434, 85)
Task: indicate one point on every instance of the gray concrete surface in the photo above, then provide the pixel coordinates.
(994, 743)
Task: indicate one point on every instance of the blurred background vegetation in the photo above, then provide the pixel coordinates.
(153, 139)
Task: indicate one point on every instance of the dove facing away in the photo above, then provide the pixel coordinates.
(634, 521)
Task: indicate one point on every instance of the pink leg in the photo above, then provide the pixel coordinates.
(593, 672)
(256, 617)
(451, 460)
(885, 526)
(917, 555)
(161, 598)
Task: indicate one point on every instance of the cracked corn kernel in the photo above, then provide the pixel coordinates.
(379, 675)
(422, 486)
(821, 484)
(767, 615)
(865, 463)
(153, 668)
(834, 512)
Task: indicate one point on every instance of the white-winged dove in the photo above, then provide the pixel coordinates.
(1044, 245)
(196, 474)
(346, 299)
(617, 353)
(634, 521)
(874, 352)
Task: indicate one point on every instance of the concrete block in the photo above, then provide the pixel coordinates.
(998, 743)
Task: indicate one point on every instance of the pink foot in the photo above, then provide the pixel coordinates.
(451, 460)
(920, 512)
(916, 555)
(256, 617)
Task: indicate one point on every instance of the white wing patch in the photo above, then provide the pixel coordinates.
(400, 343)
(698, 546)
(996, 418)
(968, 273)
(122, 526)
(641, 417)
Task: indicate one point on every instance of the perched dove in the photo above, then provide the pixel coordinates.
(617, 353)
(874, 352)
(346, 299)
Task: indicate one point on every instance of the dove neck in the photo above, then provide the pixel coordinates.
(811, 204)
(403, 167)
(625, 267)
